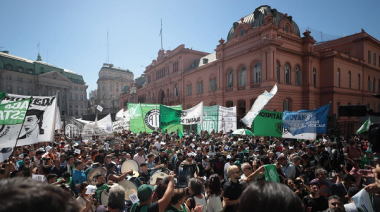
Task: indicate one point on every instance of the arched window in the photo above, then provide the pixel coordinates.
(257, 73)
(286, 105)
(349, 79)
(287, 74)
(374, 85)
(149, 97)
(176, 90)
(359, 81)
(242, 76)
(338, 78)
(278, 68)
(229, 104)
(230, 79)
(298, 76)
(314, 77)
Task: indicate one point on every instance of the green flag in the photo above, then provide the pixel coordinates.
(268, 123)
(364, 127)
(2, 95)
(13, 112)
(271, 173)
(169, 116)
(180, 134)
(210, 119)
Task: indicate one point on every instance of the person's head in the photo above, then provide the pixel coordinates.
(144, 167)
(83, 188)
(233, 172)
(267, 196)
(335, 205)
(150, 158)
(57, 162)
(39, 154)
(26, 161)
(46, 170)
(108, 159)
(264, 160)
(296, 160)
(321, 174)
(214, 185)
(66, 176)
(282, 160)
(19, 194)
(70, 160)
(52, 178)
(101, 152)
(314, 187)
(290, 183)
(195, 187)
(33, 120)
(79, 165)
(246, 168)
(99, 179)
(348, 180)
(144, 193)
(111, 166)
(179, 196)
(116, 197)
(180, 156)
(140, 151)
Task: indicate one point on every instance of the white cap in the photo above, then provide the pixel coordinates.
(48, 148)
(228, 156)
(157, 136)
(193, 139)
(199, 149)
(291, 147)
(41, 149)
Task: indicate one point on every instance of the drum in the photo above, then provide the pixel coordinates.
(91, 176)
(130, 164)
(157, 177)
(185, 173)
(104, 197)
(130, 186)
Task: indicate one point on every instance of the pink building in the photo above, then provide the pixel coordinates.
(262, 49)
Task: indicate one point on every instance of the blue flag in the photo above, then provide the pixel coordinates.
(306, 121)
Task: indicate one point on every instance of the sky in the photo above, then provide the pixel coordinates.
(73, 33)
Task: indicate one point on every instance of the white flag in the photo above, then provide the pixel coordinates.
(258, 105)
(100, 108)
(193, 115)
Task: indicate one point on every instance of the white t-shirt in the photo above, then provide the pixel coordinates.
(351, 207)
(139, 159)
(201, 202)
(214, 204)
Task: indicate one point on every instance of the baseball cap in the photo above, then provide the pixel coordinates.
(199, 149)
(110, 165)
(237, 163)
(48, 148)
(144, 192)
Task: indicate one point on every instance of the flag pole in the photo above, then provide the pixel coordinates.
(22, 125)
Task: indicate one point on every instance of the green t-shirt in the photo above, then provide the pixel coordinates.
(68, 183)
(365, 161)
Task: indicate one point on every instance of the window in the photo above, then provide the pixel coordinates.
(30, 81)
(19, 91)
(76, 96)
(278, 72)
(9, 89)
(286, 105)
(257, 73)
(359, 81)
(76, 113)
(189, 90)
(212, 84)
(200, 87)
(242, 76)
(338, 78)
(369, 57)
(9, 67)
(242, 32)
(298, 76)
(81, 97)
(76, 105)
(205, 60)
(175, 90)
(9, 77)
(314, 77)
(230, 79)
(287, 28)
(30, 71)
(378, 87)
(30, 91)
(229, 104)
(20, 69)
(374, 58)
(19, 79)
(349, 79)
(369, 84)
(374, 85)
(287, 74)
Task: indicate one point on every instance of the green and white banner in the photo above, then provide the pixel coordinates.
(269, 123)
(169, 116)
(39, 122)
(271, 173)
(218, 118)
(146, 118)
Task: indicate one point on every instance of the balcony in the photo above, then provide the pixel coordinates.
(256, 85)
(241, 88)
(229, 89)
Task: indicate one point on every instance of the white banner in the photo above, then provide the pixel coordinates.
(39, 122)
(258, 105)
(98, 128)
(306, 136)
(227, 119)
(119, 126)
(193, 115)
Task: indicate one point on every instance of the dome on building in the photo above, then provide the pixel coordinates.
(257, 18)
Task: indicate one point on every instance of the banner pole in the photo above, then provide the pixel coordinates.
(22, 124)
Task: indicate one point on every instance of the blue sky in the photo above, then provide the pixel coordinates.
(73, 34)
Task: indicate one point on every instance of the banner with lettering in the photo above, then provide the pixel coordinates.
(169, 116)
(193, 115)
(39, 122)
(73, 127)
(306, 121)
(101, 128)
(227, 119)
(210, 119)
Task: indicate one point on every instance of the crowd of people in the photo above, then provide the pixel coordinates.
(207, 172)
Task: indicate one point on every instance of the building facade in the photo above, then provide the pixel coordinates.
(111, 83)
(263, 49)
(37, 78)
